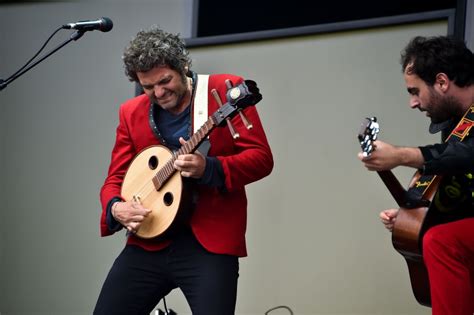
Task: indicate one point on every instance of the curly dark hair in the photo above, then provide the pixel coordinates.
(155, 47)
(428, 56)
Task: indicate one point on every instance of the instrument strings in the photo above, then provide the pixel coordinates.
(168, 169)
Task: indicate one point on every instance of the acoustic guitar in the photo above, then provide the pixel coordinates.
(152, 181)
(412, 220)
(421, 205)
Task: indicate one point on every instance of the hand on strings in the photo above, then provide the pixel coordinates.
(130, 214)
(190, 165)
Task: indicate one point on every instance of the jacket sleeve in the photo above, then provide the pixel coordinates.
(122, 154)
(252, 158)
(449, 157)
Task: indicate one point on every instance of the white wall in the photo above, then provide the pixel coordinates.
(2, 169)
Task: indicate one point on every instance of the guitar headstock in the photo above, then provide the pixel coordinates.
(245, 94)
(368, 132)
(238, 97)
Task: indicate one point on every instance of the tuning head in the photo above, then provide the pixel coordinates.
(243, 95)
(368, 132)
(239, 97)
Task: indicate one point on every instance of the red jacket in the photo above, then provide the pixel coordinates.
(220, 218)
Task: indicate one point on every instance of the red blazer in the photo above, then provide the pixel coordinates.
(220, 218)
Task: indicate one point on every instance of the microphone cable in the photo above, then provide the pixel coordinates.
(279, 307)
(171, 312)
(32, 58)
(28, 66)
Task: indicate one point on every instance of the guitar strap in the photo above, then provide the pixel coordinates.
(200, 102)
(416, 192)
(200, 111)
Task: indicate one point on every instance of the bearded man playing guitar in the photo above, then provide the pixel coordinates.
(157, 160)
(439, 76)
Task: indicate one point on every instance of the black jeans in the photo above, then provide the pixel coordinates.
(139, 279)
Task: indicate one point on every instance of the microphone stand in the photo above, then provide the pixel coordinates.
(75, 36)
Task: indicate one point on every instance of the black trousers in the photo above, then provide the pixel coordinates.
(139, 279)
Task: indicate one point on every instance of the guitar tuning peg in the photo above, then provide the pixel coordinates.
(229, 84)
(234, 133)
(244, 118)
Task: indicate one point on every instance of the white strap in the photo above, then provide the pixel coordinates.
(200, 102)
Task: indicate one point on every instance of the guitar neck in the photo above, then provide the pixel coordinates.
(196, 139)
(396, 189)
(189, 147)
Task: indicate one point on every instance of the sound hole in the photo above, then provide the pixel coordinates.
(153, 162)
(168, 199)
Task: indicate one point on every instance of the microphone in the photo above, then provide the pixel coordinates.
(104, 24)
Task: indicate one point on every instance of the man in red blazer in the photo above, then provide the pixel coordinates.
(201, 256)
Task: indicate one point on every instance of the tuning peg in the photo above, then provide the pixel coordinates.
(229, 84)
(234, 133)
(244, 118)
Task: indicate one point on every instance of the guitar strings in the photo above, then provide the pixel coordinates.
(164, 173)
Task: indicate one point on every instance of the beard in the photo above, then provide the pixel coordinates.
(442, 108)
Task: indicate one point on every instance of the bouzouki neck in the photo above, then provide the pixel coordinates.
(189, 147)
(394, 187)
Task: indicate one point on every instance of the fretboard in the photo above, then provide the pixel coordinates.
(191, 145)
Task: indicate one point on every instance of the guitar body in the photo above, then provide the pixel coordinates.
(407, 238)
(169, 205)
